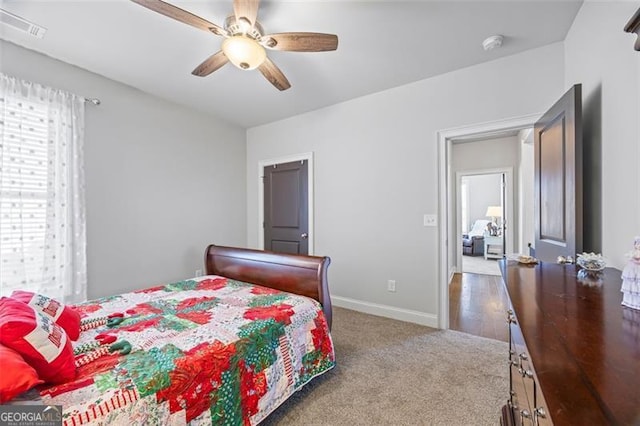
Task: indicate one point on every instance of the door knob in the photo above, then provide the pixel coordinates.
(304, 236)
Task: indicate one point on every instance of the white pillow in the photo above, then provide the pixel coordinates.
(479, 226)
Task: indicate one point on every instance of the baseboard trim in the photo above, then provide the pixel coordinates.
(386, 311)
(452, 271)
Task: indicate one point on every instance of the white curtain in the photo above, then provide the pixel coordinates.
(42, 210)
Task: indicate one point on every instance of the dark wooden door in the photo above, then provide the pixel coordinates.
(558, 178)
(286, 209)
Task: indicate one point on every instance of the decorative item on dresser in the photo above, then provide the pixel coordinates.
(574, 354)
(631, 278)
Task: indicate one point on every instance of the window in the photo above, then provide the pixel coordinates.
(42, 220)
(464, 205)
(23, 194)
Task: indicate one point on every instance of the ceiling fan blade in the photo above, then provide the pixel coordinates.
(212, 63)
(272, 73)
(247, 9)
(181, 15)
(301, 42)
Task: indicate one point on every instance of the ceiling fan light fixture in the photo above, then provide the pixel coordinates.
(244, 40)
(244, 52)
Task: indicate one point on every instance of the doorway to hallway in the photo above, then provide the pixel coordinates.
(449, 163)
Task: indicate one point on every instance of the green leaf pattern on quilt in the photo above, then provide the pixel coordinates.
(259, 343)
(268, 300)
(106, 381)
(150, 370)
(313, 363)
(182, 285)
(167, 318)
(227, 409)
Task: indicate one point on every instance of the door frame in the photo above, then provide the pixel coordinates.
(308, 156)
(446, 212)
(508, 206)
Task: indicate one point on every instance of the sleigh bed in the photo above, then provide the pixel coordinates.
(226, 348)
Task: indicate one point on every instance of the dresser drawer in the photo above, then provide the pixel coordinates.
(525, 399)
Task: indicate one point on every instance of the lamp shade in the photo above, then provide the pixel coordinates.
(244, 52)
(494, 211)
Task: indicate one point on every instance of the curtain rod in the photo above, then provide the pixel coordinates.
(94, 101)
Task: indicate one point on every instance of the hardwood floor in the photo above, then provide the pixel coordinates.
(478, 305)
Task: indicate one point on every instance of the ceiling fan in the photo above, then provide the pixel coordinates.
(245, 41)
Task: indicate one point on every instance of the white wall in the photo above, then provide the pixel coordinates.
(600, 55)
(526, 197)
(162, 181)
(484, 191)
(376, 172)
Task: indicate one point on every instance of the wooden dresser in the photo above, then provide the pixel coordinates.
(574, 354)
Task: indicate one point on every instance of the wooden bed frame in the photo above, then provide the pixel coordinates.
(303, 275)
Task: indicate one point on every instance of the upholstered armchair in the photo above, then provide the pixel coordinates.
(473, 241)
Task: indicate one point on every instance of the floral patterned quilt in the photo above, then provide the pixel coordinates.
(204, 351)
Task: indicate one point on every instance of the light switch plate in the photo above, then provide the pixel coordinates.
(430, 220)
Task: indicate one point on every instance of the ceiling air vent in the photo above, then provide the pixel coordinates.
(21, 24)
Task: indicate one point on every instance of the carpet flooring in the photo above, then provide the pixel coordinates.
(396, 373)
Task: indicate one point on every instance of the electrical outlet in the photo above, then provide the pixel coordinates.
(430, 220)
(391, 286)
(198, 272)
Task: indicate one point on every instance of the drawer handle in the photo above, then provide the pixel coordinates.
(538, 413)
(525, 414)
(523, 357)
(525, 373)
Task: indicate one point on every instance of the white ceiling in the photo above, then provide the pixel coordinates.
(382, 44)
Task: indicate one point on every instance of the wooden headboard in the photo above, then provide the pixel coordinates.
(303, 275)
